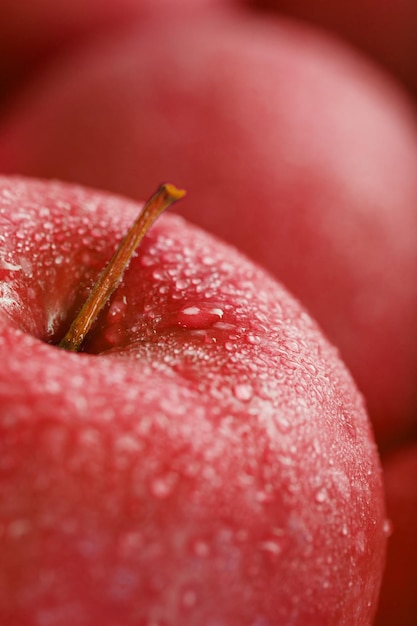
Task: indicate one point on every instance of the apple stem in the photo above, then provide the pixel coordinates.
(112, 274)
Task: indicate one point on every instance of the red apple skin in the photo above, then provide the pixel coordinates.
(398, 600)
(191, 468)
(32, 30)
(386, 31)
(299, 153)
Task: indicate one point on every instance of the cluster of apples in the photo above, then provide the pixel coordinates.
(203, 457)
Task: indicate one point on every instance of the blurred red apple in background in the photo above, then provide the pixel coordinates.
(399, 583)
(31, 30)
(299, 153)
(385, 30)
(206, 460)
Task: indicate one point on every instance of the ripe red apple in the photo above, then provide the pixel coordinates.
(398, 601)
(34, 29)
(206, 460)
(385, 30)
(299, 153)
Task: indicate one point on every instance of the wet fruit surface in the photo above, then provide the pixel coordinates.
(205, 461)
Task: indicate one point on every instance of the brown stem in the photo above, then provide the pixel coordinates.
(112, 274)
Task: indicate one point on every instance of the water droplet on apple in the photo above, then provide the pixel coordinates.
(321, 495)
(162, 486)
(159, 274)
(188, 598)
(199, 317)
(252, 339)
(310, 367)
(87, 259)
(146, 261)
(182, 284)
(264, 497)
(201, 548)
(243, 392)
(282, 423)
(96, 233)
(271, 548)
(10, 267)
(163, 289)
(117, 311)
(113, 335)
(293, 345)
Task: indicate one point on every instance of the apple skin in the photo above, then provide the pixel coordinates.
(300, 154)
(399, 582)
(191, 468)
(33, 30)
(387, 31)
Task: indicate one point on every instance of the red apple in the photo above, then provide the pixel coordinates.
(298, 152)
(34, 29)
(398, 602)
(206, 460)
(385, 30)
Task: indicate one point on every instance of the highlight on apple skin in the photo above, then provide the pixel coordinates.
(206, 460)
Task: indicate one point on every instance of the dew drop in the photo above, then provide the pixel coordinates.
(272, 548)
(96, 233)
(243, 392)
(321, 495)
(117, 311)
(351, 429)
(310, 367)
(182, 283)
(159, 274)
(282, 423)
(253, 339)
(146, 261)
(162, 486)
(199, 317)
(113, 335)
(10, 267)
(88, 259)
(201, 548)
(264, 497)
(293, 345)
(188, 598)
